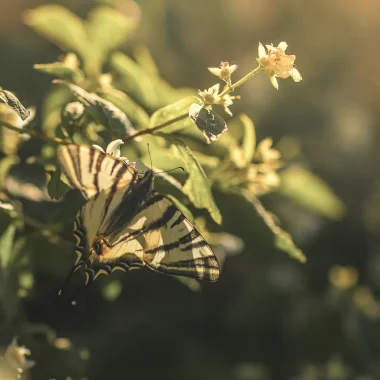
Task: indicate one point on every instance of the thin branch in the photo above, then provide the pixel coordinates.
(29, 132)
(150, 131)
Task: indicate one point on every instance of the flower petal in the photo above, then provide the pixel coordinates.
(215, 71)
(113, 148)
(282, 45)
(97, 147)
(274, 82)
(296, 75)
(261, 50)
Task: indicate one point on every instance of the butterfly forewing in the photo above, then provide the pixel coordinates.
(92, 171)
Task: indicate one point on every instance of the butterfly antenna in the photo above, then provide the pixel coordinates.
(150, 157)
(170, 170)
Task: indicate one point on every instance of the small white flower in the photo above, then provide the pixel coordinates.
(224, 71)
(113, 149)
(211, 95)
(276, 63)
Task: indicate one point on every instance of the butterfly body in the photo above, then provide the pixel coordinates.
(125, 224)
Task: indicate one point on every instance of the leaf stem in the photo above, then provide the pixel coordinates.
(150, 131)
(233, 86)
(29, 132)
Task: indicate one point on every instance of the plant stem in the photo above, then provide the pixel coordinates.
(233, 86)
(150, 131)
(29, 132)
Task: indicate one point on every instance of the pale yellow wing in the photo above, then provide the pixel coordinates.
(92, 171)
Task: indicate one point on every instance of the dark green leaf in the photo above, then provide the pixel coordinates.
(56, 187)
(6, 245)
(11, 101)
(282, 238)
(197, 186)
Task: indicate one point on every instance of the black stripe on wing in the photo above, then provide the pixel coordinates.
(204, 268)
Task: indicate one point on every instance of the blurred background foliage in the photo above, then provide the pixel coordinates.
(269, 317)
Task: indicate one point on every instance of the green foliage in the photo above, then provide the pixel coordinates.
(102, 111)
(6, 245)
(311, 192)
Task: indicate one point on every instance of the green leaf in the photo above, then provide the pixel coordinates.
(249, 139)
(143, 57)
(61, 71)
(197, 186)
(136, 82)
(6, 245)
(282, 239)
(311, 192)
(54, 102)
(138, 116)
(242, 155)
(107, 29)
(5, 166)
(60, 26)
(12, 102)
(181, 207)
(103, 111)
(178, 110)
(56, 187)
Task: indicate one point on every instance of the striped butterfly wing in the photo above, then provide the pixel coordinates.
(96, 175)
(159, 237)
(91, 171)
(125, 224)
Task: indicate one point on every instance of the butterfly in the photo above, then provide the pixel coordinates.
(125, 224)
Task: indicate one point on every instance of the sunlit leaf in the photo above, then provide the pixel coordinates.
(249, 138)
(6, 245)
(197, 186)
(107, 28)
(312, 192)
(176, 111)
(103, 111)
(241, 153)
(136, 82)
(56, 187)
(6, 164)
(148, 89)
(60, 70)
(181, 207)
(60, 26)
(12, 102)
(143, 57)
(138, 116)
